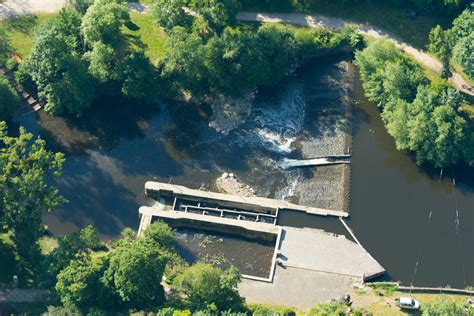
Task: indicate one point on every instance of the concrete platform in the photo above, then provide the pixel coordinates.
(315, 250)
(158, 188)
(317, 267)
(297, 287)
(228, 223)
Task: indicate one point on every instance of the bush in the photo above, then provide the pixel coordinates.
(8, 99)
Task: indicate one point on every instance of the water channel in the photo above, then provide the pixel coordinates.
(117, 146)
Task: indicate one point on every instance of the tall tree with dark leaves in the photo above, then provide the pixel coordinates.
(26, 193)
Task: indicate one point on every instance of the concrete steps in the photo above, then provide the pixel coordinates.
(34, 104)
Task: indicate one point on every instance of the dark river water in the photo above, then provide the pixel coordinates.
(117, 146)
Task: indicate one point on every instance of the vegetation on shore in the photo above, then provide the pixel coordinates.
(422, 117)
(391, 16)
(456, 45)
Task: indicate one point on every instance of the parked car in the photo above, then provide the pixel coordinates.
(407, 303)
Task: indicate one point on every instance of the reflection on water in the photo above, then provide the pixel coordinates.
(117, 146)
(391, 203)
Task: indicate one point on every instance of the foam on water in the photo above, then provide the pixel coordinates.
(274, 124)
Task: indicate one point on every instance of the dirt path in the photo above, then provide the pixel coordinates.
(336, 23)
(15, 8)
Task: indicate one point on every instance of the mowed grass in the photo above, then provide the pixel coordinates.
(147, 35)
(388, 18)
(20, 32)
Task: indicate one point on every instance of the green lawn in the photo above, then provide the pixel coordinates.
(391, 19)
(20, 32)
(147, 36)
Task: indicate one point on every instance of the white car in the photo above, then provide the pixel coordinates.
(407, 303)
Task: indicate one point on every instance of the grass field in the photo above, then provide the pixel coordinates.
(147, 36)
(386, 306)
(20, 32)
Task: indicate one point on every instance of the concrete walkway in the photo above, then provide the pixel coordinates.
(317, 267)
(15, 8)
(24, 295)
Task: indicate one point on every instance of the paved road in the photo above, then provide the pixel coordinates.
(335, 23)
(14, 8)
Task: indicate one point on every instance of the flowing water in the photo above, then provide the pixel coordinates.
(117, 146)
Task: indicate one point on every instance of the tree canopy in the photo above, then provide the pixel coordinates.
(420, 118)
(208, 288)
(27, 169)
(8, 99)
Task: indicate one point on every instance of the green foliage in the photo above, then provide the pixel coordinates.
(8, 99)
(26, 194)
(169, 14)
(446, 309)
(59, 71)
(218, 14)
(440, 46)
(135, 272)
(421, 119)
(270, 310)
(462, 34)
(101, 61)
(80, 6)
(61, 311)
(79, 284)
(79, 242)
(464, 54)
(207, 288)
(139, 76)
(332, 309)
(103, 20)
(386, 73)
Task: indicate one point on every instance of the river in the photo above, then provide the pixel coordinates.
(117, 146)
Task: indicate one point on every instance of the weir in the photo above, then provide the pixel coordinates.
(318, 161)
(323, 254)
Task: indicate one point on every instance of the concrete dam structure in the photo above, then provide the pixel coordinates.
(323, 264)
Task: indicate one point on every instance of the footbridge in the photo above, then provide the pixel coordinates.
(318, 161)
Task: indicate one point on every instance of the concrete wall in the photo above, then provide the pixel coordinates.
(215, 227)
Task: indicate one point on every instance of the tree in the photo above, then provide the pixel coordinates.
(8, 99)
(135, 272)
(463, 25)
(139, 76)
(77, 243)
(464, 54)
(207, 288)
(60, 73)
(184, 65)
(103, 20)
(79, 284)
(218, 13)
(26, 192)
(170, 13)
(440, 46)
(161, 235)
(386, 73)
(80, 6)
(101, 61)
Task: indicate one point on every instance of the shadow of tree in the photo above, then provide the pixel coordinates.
(23, 24)
(8, 263)
(5, 46)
